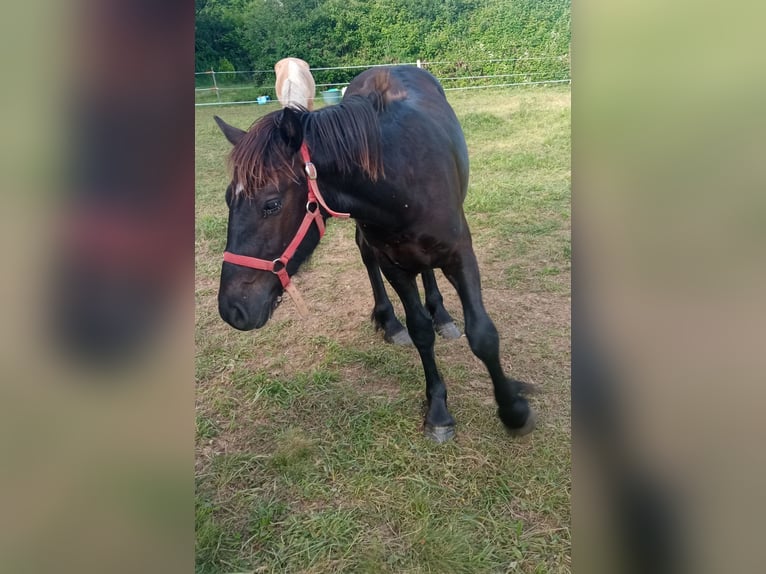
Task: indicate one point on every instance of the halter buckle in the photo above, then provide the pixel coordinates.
(274, 266)
(311, 170)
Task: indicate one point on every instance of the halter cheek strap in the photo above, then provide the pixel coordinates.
(313, 215)
(311, 172)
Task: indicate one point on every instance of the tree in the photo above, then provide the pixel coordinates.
(220, 34)
(255, 34)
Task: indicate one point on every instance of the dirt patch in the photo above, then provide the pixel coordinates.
(338, 293)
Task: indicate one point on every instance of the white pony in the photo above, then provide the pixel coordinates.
(295, 84)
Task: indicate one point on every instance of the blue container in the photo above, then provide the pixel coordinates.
(331, 96)
(262, 100)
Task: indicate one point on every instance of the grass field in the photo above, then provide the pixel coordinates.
(309, 450)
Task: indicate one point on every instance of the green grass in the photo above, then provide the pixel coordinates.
(310, 456)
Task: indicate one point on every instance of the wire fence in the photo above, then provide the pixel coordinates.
(230, 87)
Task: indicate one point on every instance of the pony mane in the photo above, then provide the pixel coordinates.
(344, 138)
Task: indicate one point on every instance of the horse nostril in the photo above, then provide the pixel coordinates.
(239, 315)
(233, 312)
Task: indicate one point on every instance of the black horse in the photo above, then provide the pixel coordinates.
(393, 156)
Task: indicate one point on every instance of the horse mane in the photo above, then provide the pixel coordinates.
(344, 137)
(347, 136)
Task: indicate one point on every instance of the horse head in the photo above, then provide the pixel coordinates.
(272, 228)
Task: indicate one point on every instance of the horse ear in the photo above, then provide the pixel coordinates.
(232, 134)
(290, 129)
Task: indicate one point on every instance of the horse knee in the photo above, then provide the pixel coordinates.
(483, 338)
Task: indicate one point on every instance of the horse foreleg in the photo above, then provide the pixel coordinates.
(443, 322)
(383, 316)
(439, 424)
(512, 408)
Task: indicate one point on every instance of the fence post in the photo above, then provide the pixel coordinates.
(420, 64)
(215, 85)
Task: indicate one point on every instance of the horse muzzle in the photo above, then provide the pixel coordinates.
(248, 309)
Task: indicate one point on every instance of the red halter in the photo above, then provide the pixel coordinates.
(313, 215)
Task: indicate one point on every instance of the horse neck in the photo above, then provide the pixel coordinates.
(356, 195)
(344, 144)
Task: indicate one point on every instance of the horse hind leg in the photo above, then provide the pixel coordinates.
(512, 408)
(443, 322)
(383, 316)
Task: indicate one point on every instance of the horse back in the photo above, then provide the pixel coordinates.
(415, 116)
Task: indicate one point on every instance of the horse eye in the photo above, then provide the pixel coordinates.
(272, 207)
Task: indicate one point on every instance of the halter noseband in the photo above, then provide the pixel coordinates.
(313, 215)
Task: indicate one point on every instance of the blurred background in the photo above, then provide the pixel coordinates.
(97, 404)
(668, 332)
(97, 400)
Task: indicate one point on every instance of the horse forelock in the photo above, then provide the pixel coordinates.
(259, 160)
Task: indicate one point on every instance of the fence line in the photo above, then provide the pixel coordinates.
(520, 59)
(252, 83)
(567, 81)
(232, 103)
(492, 76)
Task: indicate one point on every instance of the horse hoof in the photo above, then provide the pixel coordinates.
(448, 330)
(518, 417)
(401, 338)
(439, 434)
(526, 428)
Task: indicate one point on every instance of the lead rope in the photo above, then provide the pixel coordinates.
(300, 304)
